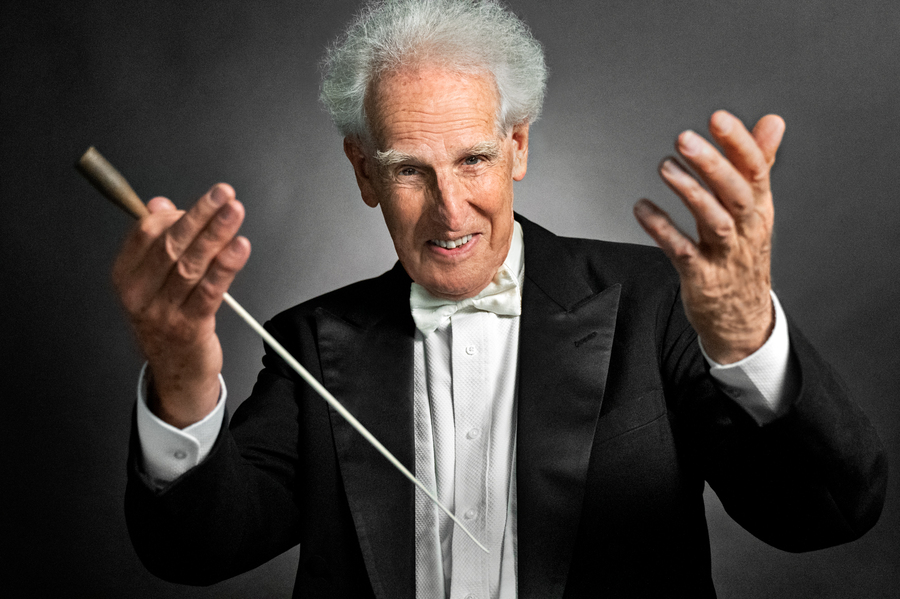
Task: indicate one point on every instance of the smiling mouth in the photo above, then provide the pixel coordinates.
(453, 243)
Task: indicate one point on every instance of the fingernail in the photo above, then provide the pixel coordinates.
(226, 214)
(643, 208)
(669, 167)
(218, 196)
(722, 123)
(690, 143)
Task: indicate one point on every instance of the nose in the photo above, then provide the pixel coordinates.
(449, 201)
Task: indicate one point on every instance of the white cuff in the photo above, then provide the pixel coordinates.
(169, 452)
(764, 383)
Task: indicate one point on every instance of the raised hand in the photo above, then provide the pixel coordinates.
(725, 273)
(170, 276)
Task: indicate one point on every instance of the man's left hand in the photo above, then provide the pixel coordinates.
(725, 274)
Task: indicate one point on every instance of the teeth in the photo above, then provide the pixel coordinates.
(455, 243)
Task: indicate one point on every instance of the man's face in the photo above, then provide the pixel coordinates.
(443, 176)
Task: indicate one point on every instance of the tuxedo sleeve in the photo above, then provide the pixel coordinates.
(238, 508)
(814, 477)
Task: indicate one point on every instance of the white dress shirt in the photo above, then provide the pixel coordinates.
(465, 395)
(465, 439)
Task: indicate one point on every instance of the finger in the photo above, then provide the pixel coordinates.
(768, 133)
(206, 297)
(193, 263)
(148, 229)
(738, 145)
(167, 249)
(183, 233)
(721, 176)
(160, 204)
(715, 226)
(128, 274)
(680, 249)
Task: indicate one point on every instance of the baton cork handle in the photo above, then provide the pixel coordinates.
(110, 183)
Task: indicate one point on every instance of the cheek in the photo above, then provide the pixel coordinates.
(484, 191)
(497, 199)
(402, 216)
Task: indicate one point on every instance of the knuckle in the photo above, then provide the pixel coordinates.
(152, 226)
(722, 232)
(683, 251)
(188, 270)
(657, 228)
(694, 194)
(145, 232)
(709, 164)
(140, 311)
(149, 225)
(130, 302)
(214, 234)
(171, 247)
(208, 290)
(738, 204)
(228, 262)
(758, 171)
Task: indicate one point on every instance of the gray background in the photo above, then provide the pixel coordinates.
(180, 95)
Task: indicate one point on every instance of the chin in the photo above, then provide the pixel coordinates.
(455, 284)
(453, 291)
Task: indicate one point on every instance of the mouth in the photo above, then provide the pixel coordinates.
(453, 243)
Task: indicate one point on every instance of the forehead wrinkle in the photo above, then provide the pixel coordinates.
(408, 126)
(433, 114)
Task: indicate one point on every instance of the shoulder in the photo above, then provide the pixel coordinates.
(640, 269)
(356, 303)
(620, 261)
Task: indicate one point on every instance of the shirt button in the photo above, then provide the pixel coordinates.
(180, 455)
(469, 514)
(471, 350)
(473, 434)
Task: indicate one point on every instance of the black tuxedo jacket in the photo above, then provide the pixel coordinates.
(619, 425)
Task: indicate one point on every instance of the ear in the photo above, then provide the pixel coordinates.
(520, 151)
(364, 169)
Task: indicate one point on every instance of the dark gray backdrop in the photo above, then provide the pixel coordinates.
(180, 95)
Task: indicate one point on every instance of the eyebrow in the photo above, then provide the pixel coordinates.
(387, 158)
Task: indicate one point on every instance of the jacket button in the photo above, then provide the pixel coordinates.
(317, 567)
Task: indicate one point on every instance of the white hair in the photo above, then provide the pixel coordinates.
(466, 36)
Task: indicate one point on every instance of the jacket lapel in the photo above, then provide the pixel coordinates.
(367, 363)
(566, 337)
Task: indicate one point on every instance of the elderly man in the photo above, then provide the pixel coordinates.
(553, 391)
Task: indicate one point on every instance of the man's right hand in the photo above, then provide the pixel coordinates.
(170, 276)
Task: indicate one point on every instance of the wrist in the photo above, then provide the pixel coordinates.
(181, 403)
(730, 344)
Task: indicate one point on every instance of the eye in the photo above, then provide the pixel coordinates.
(407, 171)
(472, 160)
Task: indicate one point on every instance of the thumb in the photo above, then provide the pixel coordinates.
(160, 204)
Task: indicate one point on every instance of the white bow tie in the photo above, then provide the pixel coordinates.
(502, 296)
